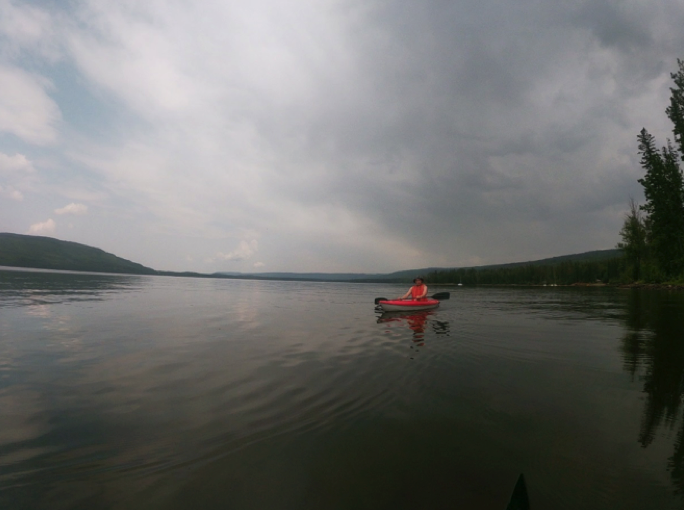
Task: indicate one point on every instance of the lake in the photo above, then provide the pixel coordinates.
(143, 392)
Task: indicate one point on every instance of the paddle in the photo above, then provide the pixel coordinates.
(439, 296)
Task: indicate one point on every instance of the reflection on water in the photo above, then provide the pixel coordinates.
(35, 288)
(653, 352)
(417, 323)
(153, 392)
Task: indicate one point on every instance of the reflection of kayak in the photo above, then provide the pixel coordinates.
(403, 314)
(399, 305)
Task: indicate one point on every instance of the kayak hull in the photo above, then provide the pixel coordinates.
(398, 305)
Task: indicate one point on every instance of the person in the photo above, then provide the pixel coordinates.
(418, 291)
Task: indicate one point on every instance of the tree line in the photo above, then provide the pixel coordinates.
(653, 233)
(563, 273)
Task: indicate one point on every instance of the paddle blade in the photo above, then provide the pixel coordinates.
(442, 295)
(378, 299)
(519, 499)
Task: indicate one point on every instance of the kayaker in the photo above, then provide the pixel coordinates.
(418, 291)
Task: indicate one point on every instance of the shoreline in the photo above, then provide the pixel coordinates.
(647, 286)
(652, 286)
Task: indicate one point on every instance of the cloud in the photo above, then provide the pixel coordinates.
(26, 110)
(343, 135)
(17, 174)
(259, 264)
(11, 193)
(72, 208)
(17, 163)
(26, 28)
(46, 227)
(244, 251)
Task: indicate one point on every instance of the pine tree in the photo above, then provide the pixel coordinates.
(633, 243)
(675, 111)
(664, 191)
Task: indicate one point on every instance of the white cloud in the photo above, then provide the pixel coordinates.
(26, 28)
(16, 163)
(11, 193)
(26, 110)
(244, 251)
(72, 208)
(16, 175)
(137, 52)
(259, 264)
(46, 227)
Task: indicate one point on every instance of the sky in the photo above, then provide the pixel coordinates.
(330, 135)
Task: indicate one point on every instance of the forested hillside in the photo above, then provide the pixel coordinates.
(47, 253)
(568, 272)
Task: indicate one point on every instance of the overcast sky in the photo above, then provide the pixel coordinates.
(330, 135)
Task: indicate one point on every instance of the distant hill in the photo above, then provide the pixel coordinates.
(330, 277)
(605, 266)
(589, 256)
(408, 274)
(18, 250)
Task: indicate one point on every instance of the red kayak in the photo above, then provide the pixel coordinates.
(400, 305)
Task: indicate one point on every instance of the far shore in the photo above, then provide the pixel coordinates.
(649, 286)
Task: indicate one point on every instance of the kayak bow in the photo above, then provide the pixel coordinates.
(519, 500)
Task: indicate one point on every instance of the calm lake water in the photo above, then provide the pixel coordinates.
(136, 392)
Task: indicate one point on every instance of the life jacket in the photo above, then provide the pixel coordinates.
(416, 291)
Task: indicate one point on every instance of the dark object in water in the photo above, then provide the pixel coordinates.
(519, 499)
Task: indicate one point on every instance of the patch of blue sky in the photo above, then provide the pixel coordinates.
(85, 109)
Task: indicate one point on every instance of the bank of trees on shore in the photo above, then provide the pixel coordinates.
(653, 233)
(563, 273)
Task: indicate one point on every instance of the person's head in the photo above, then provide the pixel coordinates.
(418, 280)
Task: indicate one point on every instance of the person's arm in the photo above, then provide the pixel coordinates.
(406, 295)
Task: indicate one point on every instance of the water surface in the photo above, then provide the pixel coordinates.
(158, 392)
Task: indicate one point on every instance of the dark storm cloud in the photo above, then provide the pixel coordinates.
(616, 25)
(491, 116)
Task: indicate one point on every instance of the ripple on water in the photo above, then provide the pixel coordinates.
(139, 390)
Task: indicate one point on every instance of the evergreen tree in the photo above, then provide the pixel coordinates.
(633, 243)
(664, 191)
(675, 111)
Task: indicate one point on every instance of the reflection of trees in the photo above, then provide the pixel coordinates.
(655, 342)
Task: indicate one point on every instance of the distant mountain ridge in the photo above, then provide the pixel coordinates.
(17, 250)
(409, 274)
